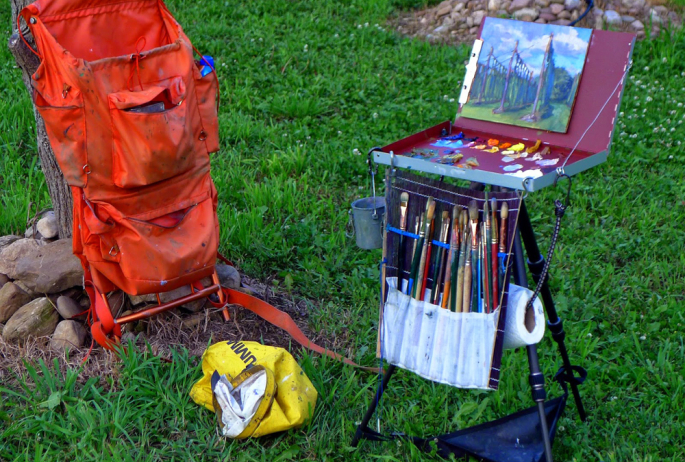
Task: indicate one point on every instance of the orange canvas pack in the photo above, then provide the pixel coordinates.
(132, 121)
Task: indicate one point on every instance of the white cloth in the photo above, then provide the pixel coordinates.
(442, 346)
(239, 404)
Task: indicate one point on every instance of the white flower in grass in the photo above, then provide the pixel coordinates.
(678, 143)
(682, 74)
(285, 135)
(643, 337)
(672, 129)
(359, 26)
(620, 114)
(589, 334)
(451, 100)
(306, 48)
(356, 152)
(375, 115)
(366, 24)
(680, 104)
(445, 97)
(646, 68)
(670, 157)
(339, 132)
(664, 60)
(336, 35)
(649, 99)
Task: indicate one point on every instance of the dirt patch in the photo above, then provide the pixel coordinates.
(175, 330)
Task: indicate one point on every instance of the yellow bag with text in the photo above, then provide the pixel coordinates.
(263, 390)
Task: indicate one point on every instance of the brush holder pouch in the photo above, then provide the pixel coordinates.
(462, 349)
(438, 344)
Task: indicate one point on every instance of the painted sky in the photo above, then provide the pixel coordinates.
(570, 43)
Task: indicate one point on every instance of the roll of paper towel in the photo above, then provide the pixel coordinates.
(521, 331)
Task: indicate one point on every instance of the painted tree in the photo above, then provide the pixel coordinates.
(28, 62)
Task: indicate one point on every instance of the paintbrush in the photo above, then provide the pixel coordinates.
(493, 254)
(487, 259)
(453, 254)
(418, 245)
(468, 276)
(404, 202)
(473, 215)
(464, 250)
(429, 255)
(430, 211)
(440, 258)
(504, 215)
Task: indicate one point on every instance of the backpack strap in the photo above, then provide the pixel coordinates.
(283, 320)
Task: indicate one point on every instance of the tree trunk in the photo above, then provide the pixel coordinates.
(59, 191)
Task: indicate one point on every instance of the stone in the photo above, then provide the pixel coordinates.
(494, 5)
(627, 19)
(478, 17)
(194, 320)
(557, 1)
(3, 280)
(542, 3)
(562, 22)
(469, 21)
(547, 17)
(519, 4)
(11, 253)
(440, 29)
(633, 3)
(228, 276)
(48, 226)
(473, 30)
(526, 14)
(556, 8)
(637, 25)
(654, 16)
(564, 15)
(571, 4)
(26, 289)
(37, 318)
(612, 18)
(68, 308)
(597, 11)
(660, 9)
(7, 240)
(49, 268)
(540, 21)
(68, 334)
(444, 9)
(11, 299)
(30, 233)
(599, 23)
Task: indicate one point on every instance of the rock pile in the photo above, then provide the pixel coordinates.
(41, 289)
(459, 20)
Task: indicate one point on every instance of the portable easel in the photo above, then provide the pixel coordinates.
(586, 144)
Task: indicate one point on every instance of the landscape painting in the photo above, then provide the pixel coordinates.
(528, 74)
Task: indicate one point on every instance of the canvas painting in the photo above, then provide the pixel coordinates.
(528, 74)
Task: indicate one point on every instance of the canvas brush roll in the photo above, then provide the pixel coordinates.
(463, 349)
(132, 122)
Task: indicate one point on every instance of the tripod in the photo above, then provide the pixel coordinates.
(566, 374)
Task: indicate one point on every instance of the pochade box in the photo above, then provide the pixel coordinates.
(525, 83)
(538, 101)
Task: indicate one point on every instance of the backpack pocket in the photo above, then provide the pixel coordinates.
(152, 136)
(157, 248)
(206, 88)
(66, 130)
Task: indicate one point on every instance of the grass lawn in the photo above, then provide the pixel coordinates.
(304, 84)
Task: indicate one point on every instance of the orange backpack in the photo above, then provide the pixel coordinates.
(131, 121)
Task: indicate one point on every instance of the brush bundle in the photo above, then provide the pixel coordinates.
(447, 253)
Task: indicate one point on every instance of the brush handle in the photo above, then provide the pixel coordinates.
(495, 280)
(437, 272)
(400, 262)
(424, 271)
(419, 274)
(441, 275)
(475, 286)
(411, 287)
(448, 278)
(488, 270)
(468, 279)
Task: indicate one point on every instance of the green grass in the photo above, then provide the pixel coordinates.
(303, 85)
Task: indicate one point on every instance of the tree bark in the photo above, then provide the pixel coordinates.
(59, 191)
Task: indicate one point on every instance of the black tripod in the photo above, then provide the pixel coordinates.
(567, 373)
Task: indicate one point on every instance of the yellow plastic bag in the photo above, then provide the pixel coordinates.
(295, 396)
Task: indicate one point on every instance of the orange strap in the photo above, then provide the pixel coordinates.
(282, 320)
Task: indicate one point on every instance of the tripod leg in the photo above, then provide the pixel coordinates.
(535, 263)
(536, 378)
(359, 434)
